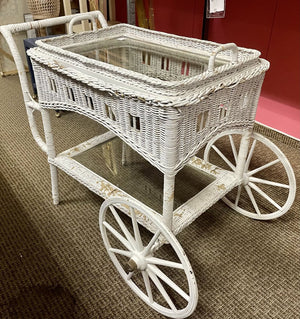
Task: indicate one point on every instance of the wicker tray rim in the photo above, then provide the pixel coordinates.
(138, 76)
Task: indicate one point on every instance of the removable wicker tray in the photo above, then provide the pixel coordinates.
(157, 91)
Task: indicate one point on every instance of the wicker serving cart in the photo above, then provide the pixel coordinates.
(166, 97)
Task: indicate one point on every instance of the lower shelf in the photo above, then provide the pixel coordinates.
(117, 172)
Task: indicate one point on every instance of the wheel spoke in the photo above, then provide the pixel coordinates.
(233, 148)
(150, 278)
(163, 262)
(136, 230)
(147, 285)
(151, 243)
(121, 252)
(264, 181)
(255, 175)
(238, 195)
(250, 155)
(123, 227)
(161, 289)
(224, 158)
(253, 201)
(263, 194)
(263, 167)
(129, 275)
(168, 281)
(122, 239)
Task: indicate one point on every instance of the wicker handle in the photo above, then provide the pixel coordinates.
(88, 17)
(228, 46)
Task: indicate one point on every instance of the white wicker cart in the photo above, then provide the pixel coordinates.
(166, 97)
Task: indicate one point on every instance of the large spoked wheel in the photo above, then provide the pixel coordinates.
(160, 275)
(268, 186)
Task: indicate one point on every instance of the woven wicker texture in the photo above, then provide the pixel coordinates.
(53, 262)
(43, 9)
(161, 108)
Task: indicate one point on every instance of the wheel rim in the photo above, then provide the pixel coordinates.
(268, 187)
(166, 284)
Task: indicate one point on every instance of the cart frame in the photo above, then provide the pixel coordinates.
(171, 222)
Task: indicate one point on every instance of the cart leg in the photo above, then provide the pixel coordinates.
(54, 184)
(51, 154)
(168, 199)
(242, 156)
(124, 154)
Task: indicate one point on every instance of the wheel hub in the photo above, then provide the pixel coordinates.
(137, 262)
(245, 179)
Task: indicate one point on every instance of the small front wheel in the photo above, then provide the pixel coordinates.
(160, 275)
(268, 186)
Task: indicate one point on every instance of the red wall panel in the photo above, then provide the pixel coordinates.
(283, 79)
(177, 17)
(272, 27)
(248, 24)
(121, 11)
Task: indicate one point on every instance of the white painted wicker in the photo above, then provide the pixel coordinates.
(161, 98)
(166, 96)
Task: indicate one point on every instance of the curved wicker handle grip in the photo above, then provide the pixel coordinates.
(228, 46)
(87, 16)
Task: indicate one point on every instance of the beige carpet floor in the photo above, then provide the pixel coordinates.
(53, 263)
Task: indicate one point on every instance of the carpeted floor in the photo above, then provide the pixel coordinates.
(53, 263)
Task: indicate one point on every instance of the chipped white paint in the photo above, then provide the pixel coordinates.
(204, 166)
(168, 130)
(85, 146)
(197, 205)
